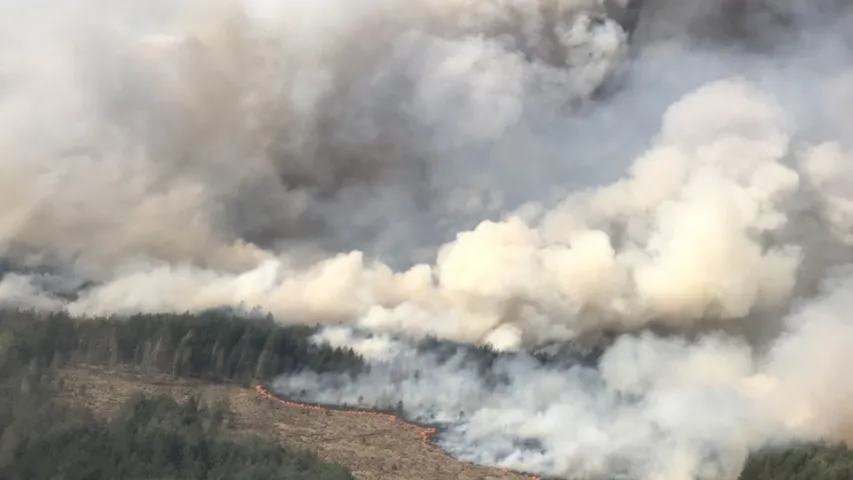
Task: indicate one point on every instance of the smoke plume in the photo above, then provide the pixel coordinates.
(670, 178)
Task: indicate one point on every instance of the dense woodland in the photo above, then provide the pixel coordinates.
(151, 437)
(215, 345)
(801, 462)
(158, 438)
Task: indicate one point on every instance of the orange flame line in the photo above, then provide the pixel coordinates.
(426, 433)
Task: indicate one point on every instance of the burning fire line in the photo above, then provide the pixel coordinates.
(426, 433)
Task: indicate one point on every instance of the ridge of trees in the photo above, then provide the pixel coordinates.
(214, 345)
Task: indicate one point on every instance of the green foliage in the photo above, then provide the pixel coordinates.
(152, 437)
(801, 462)
(213, 345)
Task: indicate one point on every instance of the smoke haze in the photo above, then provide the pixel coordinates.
(516, 173)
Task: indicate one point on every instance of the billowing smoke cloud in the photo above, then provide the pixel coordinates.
(648, 408)
(216, 133)
(517, 173)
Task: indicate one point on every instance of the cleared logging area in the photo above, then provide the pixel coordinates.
(372, 447)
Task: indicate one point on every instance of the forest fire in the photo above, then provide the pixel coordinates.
(426, 433)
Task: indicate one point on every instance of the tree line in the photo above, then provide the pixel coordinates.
(215, 345)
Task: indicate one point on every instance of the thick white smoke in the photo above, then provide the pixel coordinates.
(698, 231)
(653, 408)
(650, 408)
(510, 172)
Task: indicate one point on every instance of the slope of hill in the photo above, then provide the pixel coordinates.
(372, 447)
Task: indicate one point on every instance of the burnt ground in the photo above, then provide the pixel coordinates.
(372, 447)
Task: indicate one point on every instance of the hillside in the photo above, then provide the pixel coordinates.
(371, 447)
(96, 367)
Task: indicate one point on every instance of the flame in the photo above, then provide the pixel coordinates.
(426, 434)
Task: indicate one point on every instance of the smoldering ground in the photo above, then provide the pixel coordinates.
(515, 173)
